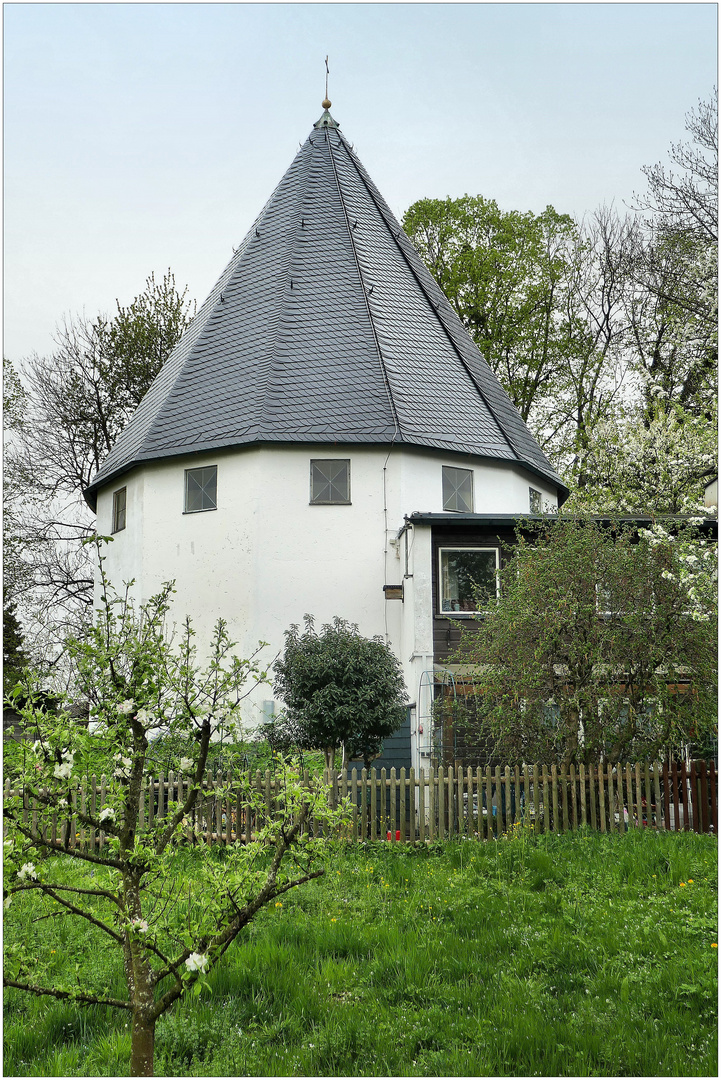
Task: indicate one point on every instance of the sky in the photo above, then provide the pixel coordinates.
(141, 137)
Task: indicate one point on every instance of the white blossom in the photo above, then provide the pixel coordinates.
(68, 755)
(62, 772)
(6, 902)
(126, 707)
(108, 814)
(196, 962)
(140, 925)
(186, 764)
(27, 870)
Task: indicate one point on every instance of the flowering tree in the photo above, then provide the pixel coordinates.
(169, 908)
(636, 465)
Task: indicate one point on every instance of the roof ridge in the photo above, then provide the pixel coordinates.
(382, 210)
(381, 360)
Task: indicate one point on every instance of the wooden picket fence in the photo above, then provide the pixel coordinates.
(436, 804)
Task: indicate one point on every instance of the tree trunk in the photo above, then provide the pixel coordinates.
(142, 1047)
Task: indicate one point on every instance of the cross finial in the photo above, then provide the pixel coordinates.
(326, 103)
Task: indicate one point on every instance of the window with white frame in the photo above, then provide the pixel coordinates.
(120, 506)
(535, 500)
(329, 481)
(468, 579)
(457, 489)
(201, 489)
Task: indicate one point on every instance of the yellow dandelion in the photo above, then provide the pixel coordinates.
(682, 884)
(279, 904)
(690, 881)
(334, 920)
(714, 945)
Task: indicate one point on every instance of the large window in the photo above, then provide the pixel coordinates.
(120, 504)
(201, 489)
(329, 481)
(457, 489)
(468, 579)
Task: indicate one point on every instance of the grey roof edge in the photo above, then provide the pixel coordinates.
(313, 439)
(708, 526)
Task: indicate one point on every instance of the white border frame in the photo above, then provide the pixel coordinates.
(465, 547)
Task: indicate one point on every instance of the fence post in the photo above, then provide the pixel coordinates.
(574, 800)
(629, 797)
(546, 807)
(657, 792)
(611, 799)
(564, 797)
(93, 811)
(554, 796)
(459, 792)
(582, 788)
(713, 784)
(489, 804)
(684, 798)
(601, 799)
(393, 804)
(422, 805)
(674, 795)
(666, 797)
(695, 800)
(703, 786)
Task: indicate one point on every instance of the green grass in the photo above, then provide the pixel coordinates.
(570, 955)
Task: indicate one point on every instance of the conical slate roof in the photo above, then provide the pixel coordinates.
(326, 326)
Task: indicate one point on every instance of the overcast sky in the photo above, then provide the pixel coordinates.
(145, 136)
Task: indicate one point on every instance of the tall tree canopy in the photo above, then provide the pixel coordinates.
(66, 414)
(601, 328)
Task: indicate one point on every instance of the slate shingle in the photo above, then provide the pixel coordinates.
(325, 326)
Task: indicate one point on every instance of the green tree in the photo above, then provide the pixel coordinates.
(540, 297)
(15, 658)
(341, 690)
(602, 644)
(167, 909)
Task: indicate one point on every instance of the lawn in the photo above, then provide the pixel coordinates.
(562, 955)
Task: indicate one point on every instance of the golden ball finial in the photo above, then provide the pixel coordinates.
(326, 103)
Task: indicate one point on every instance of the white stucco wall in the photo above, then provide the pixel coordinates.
(265, 556)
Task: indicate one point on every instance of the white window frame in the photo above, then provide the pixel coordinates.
(457, 468)
(201, 509)
(478, 550)
(532, 492)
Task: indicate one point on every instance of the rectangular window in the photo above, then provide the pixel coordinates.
(120, 502)
(458, 489)
(329, 481)
(535, 499)
(201, 489)
(468, 579)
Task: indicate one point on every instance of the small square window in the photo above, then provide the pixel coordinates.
(201, 489)
(468, 579)
(120, 503)
(535, 501)
(330, 481)
(457, 489)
